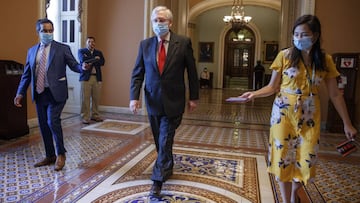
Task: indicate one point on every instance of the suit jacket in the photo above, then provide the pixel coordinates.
(85, 54)
(165, 93)
(59, 56)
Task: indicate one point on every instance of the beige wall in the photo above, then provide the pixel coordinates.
(18, 34)
(340, 24)
(340, 32)
(118, 27)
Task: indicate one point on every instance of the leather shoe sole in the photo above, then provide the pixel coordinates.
(155, 191)
(85, 121)
(60, 162)
(97, 119)
(46, 161)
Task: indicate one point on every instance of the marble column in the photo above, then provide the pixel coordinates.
(290, 11)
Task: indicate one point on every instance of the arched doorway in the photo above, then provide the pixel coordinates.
(239, 59)
(261, 10)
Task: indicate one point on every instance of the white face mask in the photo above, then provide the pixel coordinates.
(304, 43)
(160, 29)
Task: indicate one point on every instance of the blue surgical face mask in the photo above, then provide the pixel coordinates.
(160, 29)
(46, 38)
(305, 43)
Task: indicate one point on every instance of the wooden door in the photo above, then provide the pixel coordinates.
(239, 56)
(238, 59)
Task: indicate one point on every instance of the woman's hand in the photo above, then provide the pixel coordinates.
(247, 96)
(350, 132)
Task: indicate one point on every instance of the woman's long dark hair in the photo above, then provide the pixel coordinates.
(317, 56)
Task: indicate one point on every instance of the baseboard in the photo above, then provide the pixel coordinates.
(123, 110)
(107, 109)
(32, 123)
(72, 109)
(76, 109)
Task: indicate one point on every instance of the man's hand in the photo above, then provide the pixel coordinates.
(86, 66)
(134, 106)
(192, 105)
(17, 100)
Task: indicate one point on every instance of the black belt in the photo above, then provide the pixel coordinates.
(93, 73)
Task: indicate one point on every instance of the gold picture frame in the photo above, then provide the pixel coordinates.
(206, 52)
(271, 50)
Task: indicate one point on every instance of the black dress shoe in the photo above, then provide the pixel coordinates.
(97, 119)
(46, 161)
(156, 189)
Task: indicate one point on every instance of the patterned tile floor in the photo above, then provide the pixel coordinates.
(194, 168)
(220, 152)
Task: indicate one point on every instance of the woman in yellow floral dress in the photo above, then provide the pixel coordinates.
(295, 119)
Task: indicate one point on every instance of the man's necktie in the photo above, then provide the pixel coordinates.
(161, 57)
(40, 82)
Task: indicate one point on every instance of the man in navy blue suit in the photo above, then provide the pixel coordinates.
(49, 90)
(162, 61)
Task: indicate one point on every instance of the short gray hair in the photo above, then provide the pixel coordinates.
(167, 11)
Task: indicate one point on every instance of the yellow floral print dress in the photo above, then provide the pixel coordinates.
(295, 119)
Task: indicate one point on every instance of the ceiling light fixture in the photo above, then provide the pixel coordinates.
(237, 17)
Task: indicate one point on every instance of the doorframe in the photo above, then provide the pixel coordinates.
(221, 52)
(79, 16)
(229, 64)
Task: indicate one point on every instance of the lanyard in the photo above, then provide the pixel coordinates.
(312, 79)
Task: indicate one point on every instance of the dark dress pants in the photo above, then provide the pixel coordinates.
(204, 82)
(49, 112)
(163, 129)
(258, 81)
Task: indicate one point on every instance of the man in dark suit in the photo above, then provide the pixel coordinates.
(259, 75)
(45, 70)
(162, 61)
(91, 81)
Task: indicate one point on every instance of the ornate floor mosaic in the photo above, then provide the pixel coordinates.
(199, 176)
(19, 180)
(220, 152)
(333, 181)
(117, 126)
(228, 112)
(230, 137)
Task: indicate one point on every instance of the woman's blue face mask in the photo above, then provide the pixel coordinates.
(304, 43)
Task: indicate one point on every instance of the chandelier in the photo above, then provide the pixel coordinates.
(237, 17)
